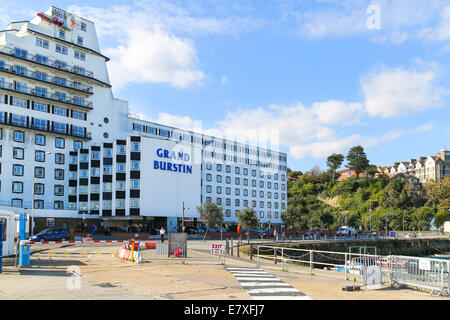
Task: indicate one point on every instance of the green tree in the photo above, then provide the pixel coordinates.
(334, 162)
(248, 219)
(327, 219)
(211, 214)
(357, 160)
(422, 217)
(440, 217)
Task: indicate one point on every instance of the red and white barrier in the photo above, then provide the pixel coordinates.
(78, 241)
(125, 250)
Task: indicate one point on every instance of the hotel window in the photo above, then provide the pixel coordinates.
(77, 145)
(107, 204)
(107, 152)
(254, 204)
(59, 143)
(17, 187)
(245, 203)
(228, 190)
(120, 204)
(62, 34)
(228, 179)
(80, 55)
(228, 202)
(79, 40)
(59, 158)
(40, 75)
(17, 170)
(40, 124)
(261, 194)
(208, 165)
(236, 170)
(120, 185)
(282, 177)
(261, 214)
(246, 192)
(134, 203)
(95, 155)
(107, 169)
(18, 203)
(107, 186)
(135, 146)
(208, 177)
(269, 185)
(83, 26)
(84, 173)
(19, 102)
(59, 127)
(59, 190)
(283, 187)
(237, 203)
(20, 70)
(121, 149)
(72, 206)
(269, 205)
(276, 195)
(245, 171)
(276, 215)
(59, 174)
(261, 184)
(219, 189)
(120, 168)
(84, 157)
(40, 107)
(21, 53)
(261, 204)
(60, 111)
(95, 172)
(245, 182)
(237, 181)
(283, 196)
(219, 167)
(41, 59)
(95, 188)
(58, 205)
(254, 193)
(73, 175)
(39, 91)
(253, 183)
(41, 43)
(276, 205)
(228, 169)
(236, 191)
(135, 165)
(61, 49)
(164, 133)
(39, 156)
(219, 178)
(275, 186)
(38, 204)
(219, 201)
(135, 184)
(72, 191)
(78, 115)
(18, 153)
(228, 213)
(138, 127)
(208, 189)
(254, 173)
(39, 172)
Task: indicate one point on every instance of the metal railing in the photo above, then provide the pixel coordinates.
(51, 62)
(424, 273)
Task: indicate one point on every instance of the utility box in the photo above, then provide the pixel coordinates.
(24, 253)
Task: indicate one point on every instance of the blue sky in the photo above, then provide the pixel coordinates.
(316, 76)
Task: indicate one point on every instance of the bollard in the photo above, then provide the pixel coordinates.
(311, 259)
(275, 255)
(251, 252)
(238, 249)
(232, 249)
(227, 246)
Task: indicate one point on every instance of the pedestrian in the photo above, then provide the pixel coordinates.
(93, 227)
(283, 236)
(275, 234)
(162, 232)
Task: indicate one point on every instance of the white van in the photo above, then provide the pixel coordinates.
(344, 231)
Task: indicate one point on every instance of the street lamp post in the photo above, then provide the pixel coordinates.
(182, 218)
(387, 220)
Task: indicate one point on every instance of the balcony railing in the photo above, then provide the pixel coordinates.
(36, 76)
(22, 123)
(72, 100)
(48, 61)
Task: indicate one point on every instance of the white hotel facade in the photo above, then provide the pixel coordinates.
(72, 150)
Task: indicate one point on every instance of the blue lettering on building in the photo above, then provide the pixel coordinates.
(170, 166)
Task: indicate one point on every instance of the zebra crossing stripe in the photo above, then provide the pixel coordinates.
(261, 285)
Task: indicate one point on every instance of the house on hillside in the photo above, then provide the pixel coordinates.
(347, 173)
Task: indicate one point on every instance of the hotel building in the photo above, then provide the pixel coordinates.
(71, 152)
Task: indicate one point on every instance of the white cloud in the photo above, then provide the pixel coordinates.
(338, 112)
(424, 127)
(399, 92)
(224, 80)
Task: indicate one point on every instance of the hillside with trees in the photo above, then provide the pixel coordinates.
(316, 199)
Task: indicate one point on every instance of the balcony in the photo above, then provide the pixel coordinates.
(45, 94)
(50, 62)
(21, 122)
(33, 75)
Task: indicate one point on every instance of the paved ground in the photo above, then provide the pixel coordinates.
(92, 272)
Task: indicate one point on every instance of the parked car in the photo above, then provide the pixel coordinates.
(51, 234)
(201, 230)
(265, 234)
(190, 230)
